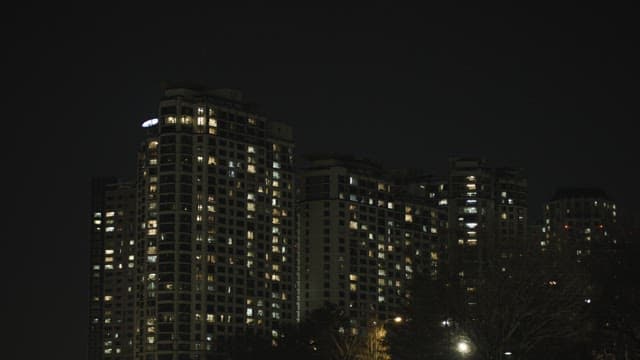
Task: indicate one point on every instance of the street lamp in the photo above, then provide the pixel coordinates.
(463, 347)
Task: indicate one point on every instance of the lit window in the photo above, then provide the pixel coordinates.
(470, 210)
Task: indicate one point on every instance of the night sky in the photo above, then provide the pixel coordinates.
(550, 89)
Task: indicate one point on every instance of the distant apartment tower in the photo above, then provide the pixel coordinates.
(363, 235)
(112, 273)
(581, 222)
(216, 222)
(487, 214)
(511, 209)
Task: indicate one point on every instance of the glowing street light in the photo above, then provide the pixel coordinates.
(463, 347)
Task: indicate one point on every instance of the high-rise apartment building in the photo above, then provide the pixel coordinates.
(112, 274)
(216, 225)
(510, 194)
(487, 214)
(581, 222)
(363, 234)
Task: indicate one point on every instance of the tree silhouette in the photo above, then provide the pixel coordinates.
(525, 305)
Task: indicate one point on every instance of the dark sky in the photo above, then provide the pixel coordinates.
(547, 88)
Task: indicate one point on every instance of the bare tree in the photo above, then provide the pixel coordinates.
(524, 303)
(518, 307)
